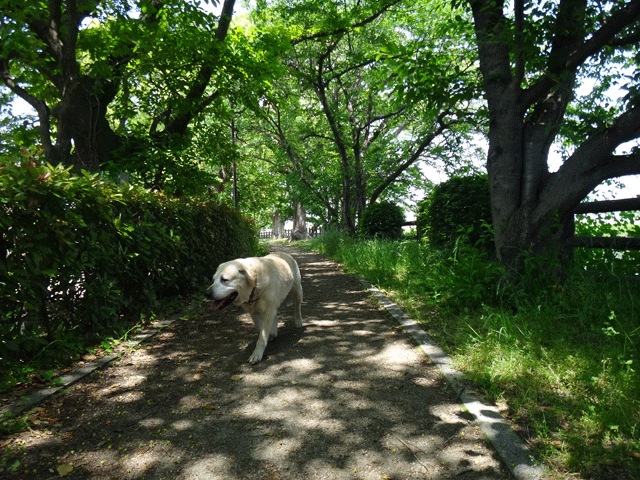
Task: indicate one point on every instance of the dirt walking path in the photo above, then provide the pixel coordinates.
(346, 397)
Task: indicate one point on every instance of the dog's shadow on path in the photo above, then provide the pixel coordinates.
(288, 337)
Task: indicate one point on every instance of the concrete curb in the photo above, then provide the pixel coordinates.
(27, 403)
(514, 452)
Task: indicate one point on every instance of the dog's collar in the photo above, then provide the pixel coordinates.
(252, 300)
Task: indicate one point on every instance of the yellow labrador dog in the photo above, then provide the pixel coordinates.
(259, 285)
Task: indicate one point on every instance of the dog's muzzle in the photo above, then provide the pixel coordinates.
(219, 304)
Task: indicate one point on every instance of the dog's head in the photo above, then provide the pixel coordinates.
(233, 282)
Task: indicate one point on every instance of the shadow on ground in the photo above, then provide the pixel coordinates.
(346, 397)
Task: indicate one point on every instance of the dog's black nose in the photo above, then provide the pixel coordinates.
(209, 294)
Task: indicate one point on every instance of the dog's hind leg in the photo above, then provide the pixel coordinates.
(296, 296)
(274, 329)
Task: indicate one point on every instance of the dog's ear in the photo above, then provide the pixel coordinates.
(250, 274)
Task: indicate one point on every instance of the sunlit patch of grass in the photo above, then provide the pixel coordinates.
(563, 360)
(565, 377)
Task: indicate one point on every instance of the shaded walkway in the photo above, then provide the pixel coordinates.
(347, 397)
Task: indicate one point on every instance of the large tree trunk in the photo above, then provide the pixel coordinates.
(299, 231)
(82, 122)
(278, 227)
(532, 208)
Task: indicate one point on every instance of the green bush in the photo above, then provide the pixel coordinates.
(78, 253)
(459, 207)
(382, 220)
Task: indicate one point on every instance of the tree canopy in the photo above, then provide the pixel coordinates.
(140, 86)
(368, 94)
(334, 104)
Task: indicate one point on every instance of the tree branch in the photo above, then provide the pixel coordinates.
(572, 60)
(44, 115)
(629, 40)
(518, 7)
(338, 75)
(193, 99)
(442, 126)
(225, 20)
(341, 31)
(616, 22)
(591, 164)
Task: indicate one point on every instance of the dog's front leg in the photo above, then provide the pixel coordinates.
(264, 325)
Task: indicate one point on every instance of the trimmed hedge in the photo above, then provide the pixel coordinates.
(459, 207)
(77, 253)
(382, 220)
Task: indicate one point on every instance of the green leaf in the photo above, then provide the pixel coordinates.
(64, 470)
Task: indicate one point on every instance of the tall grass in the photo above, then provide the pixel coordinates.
(563, 360)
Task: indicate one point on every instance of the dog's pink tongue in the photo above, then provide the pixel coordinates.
(216, 304)
(223, 302)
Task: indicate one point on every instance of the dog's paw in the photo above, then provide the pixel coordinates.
(255, 357)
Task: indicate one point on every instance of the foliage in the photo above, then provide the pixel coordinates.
(262, 188)
(332, 244)
(338, 125)
(144, 87)
(16, 129)
(189, 162)
(382, 220)
(177, 170)
(458, 207)
(79, 253)
(562, 359)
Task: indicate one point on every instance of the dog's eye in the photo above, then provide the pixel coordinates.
(223, 280)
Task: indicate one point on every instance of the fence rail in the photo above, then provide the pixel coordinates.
(607, 206)
(266, 234)
(614, 243)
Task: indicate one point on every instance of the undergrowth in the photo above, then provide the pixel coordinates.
(53, 358)
(83, 260)
(563, 359)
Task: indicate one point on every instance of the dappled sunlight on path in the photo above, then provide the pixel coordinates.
(346, 397)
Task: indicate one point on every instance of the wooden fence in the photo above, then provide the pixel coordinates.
(267, 234)
(607, 206)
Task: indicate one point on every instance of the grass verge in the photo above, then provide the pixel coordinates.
(563, 360)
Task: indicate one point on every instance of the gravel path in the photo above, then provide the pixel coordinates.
(347, 397)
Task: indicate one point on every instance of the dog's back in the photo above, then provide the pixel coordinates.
(289, 270)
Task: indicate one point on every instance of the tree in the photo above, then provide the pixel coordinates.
(299, 230)
(533, 56)
(369, 93)
(120, 81)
